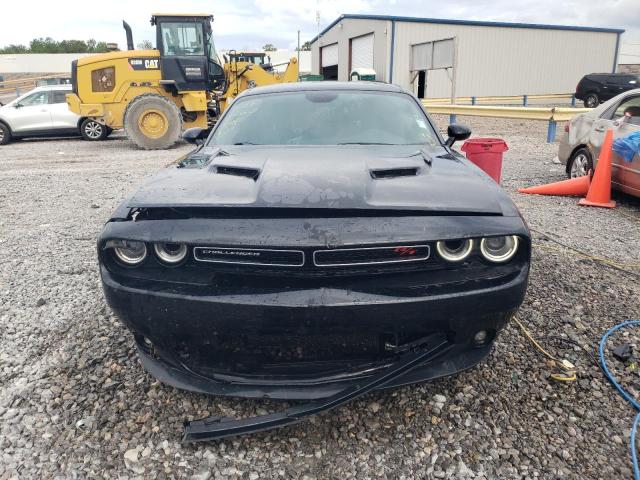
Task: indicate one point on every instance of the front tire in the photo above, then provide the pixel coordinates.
(580, 163)
(93, 131)
(591, 101)
(152, 122)
(5, 134)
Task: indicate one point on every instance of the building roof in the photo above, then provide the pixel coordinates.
(465, 22)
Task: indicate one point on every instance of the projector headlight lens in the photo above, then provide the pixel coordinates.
(454, 250)
(129, 252)
(499, 249)
(170, 253)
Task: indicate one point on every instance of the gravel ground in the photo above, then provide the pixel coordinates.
(76, 403)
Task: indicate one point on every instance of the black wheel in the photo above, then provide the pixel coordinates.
(580, 163)
(92, 130)
(152, 122)
(5, 134)
(591, 101)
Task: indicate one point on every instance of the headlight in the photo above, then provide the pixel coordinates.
(129, 252)
(454, 250)
(499, 249)
(170, 253)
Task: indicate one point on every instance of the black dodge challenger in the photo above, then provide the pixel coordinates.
(322, 241)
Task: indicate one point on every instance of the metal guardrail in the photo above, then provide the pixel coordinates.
(553, 115)
(23, 85)
(520, 99)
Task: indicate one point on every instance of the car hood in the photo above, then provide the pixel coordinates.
(334, 177)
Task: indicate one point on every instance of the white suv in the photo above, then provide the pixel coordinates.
(43, 112)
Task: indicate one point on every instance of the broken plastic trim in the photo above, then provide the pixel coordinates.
(217, 427)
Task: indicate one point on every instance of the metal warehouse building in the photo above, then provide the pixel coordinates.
(431, 56)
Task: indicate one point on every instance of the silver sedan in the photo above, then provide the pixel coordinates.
(584, 134)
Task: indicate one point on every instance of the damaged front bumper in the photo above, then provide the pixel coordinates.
(305, 344)
(215, 428)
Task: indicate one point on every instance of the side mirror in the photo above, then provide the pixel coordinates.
(18, 105)
(195, 135)
(457, 132)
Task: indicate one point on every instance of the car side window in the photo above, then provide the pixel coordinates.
(39, 98)
(628, 111)
(59, 96)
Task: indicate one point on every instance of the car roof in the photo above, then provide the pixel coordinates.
(324, 86)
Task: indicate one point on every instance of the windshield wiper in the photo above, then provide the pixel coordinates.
(246, 143)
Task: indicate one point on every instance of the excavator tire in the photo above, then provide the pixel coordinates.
(152, 122)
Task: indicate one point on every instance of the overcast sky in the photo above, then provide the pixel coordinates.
(244, 24)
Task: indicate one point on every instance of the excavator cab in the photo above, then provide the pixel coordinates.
(188, 57)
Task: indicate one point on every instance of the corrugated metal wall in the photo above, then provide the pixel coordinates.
(351, 29)
(507, 61)
(39, 62)
(491, 60)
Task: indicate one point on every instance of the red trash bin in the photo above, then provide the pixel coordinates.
(486, 153)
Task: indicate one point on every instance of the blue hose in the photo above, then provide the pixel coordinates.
(626, 395)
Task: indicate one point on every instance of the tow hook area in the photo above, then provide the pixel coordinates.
(216, 427)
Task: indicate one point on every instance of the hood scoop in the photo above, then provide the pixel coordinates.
(385, 173)
(252, 173)
(201, 158)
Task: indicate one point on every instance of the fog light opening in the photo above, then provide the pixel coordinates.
(480, 338)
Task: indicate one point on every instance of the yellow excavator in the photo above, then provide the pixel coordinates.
(155, 94)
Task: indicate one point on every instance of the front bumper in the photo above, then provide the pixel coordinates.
(198, 340)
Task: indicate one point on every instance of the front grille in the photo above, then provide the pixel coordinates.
(340, 257)
(250, 256)
(370, 256)
(294, 353)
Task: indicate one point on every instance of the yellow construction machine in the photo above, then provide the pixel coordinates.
(155, 94)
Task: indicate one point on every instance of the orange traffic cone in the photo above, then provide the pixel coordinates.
(599, 194)
(578, 186)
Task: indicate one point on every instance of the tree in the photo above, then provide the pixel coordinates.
(43, 45)
(12, 49)
(101, 47)
(72, 46)
(49, 45)
(269, 48)
(145, 45)
(306, 47)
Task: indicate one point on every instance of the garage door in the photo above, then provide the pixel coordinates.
(330, 55)
(362, 52)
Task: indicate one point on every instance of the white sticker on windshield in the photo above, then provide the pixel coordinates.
(421, 123)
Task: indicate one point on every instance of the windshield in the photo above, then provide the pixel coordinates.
(325, 118)
(182, 38)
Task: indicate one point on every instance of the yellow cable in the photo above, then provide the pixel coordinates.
(569, 372)
(532, 340)
(606, 261)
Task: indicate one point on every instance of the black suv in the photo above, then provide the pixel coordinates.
(596, 88)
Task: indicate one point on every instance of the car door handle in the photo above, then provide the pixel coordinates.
(599, 129)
